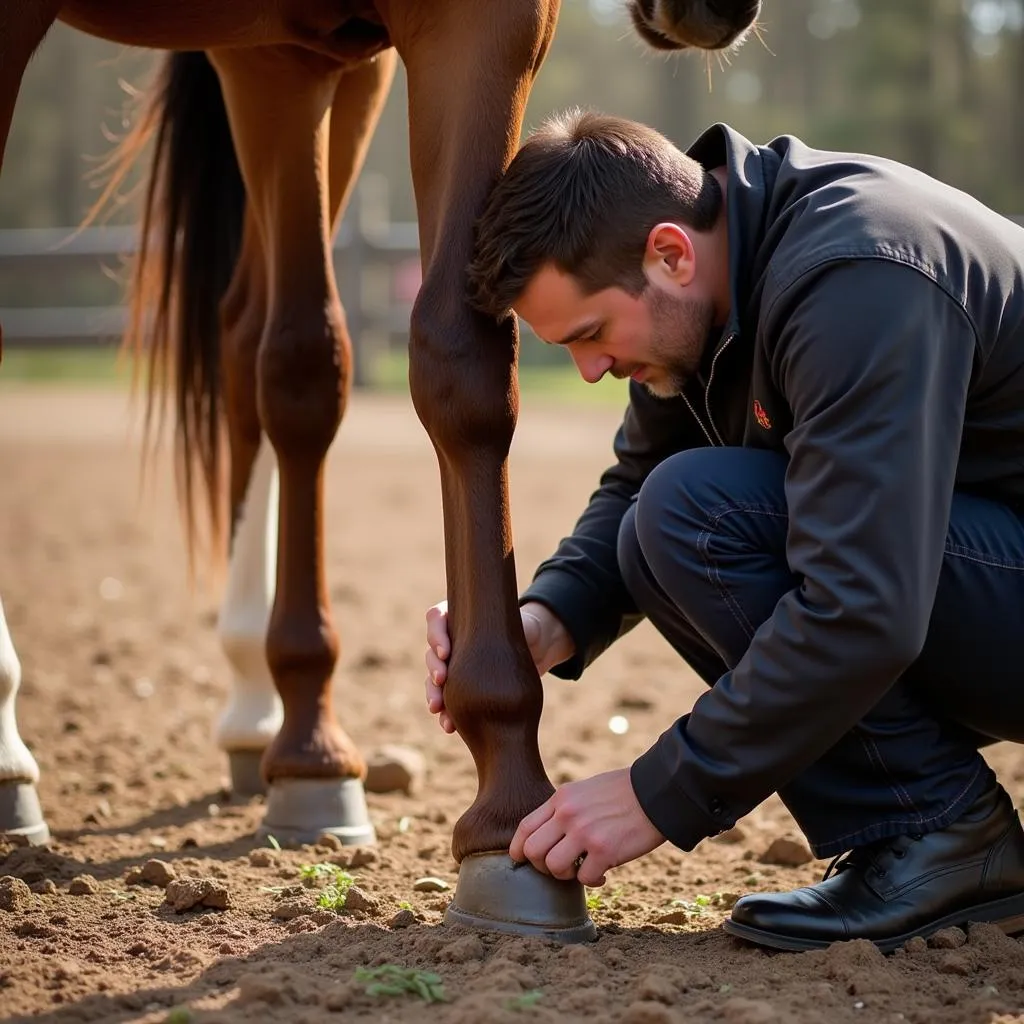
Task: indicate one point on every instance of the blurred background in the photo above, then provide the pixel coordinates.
(935, 83)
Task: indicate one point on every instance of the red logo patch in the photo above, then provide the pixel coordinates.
(761, 416)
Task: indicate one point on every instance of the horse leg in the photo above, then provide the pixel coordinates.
(278, 104)
(20, 813)
(470, 71)
(253, 715)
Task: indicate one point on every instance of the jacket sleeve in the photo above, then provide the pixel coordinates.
(581, 582)
(874, 360)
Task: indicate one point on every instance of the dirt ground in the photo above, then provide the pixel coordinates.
(123, 680)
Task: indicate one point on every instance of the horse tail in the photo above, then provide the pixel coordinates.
(190, 237)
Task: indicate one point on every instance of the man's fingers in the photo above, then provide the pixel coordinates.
(564, 857)
(527, 827)
(437, 630)
(541, 842)
(437, 670)
(446, 722)
(591, 872)
(435, 697)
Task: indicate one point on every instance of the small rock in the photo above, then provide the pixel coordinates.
(45, 887)
(634, 702)
(289, 909)
(358, 901)
(916, 946)
(329, 841)
(14, 894)
(362, 857)
(461, 951)
(157, 872)
(948, 938)
(394, 769)
(402, 919)
(262, 858)
(655, 988)
(646, 1012)
(748, 1011)
(787, 852)
(730, 836)
(673, 917)
(955, 963)
(430, 884)
(185, 893)
(83, 885)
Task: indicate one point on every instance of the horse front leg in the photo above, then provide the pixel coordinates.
(278, 103)
(470, 73)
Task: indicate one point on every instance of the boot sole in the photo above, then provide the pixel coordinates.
(1006, 914)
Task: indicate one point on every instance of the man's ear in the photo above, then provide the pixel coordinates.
(669, 255)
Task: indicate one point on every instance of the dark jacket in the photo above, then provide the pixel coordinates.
(876, 338)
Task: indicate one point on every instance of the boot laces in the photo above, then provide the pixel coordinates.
(872, 855)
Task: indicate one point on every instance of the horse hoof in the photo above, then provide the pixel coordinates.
(495, 894)
(21, 814)
(300, 810)
(246, 779)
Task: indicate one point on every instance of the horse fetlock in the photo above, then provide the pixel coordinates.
(301, 653)
(492, 685)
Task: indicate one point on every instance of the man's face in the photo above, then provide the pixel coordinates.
(656, 338)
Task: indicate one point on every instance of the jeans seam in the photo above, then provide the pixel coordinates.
(906, 821)
(875, 757)
(981, 558)
(711, 570)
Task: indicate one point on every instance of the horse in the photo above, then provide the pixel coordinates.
(260, 120)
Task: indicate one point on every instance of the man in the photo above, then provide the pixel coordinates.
(818, 499)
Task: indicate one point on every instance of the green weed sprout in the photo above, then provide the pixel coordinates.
(393, 980)
(334, 895)
(525, 1001)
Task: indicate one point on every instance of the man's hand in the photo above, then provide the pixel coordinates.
(586, 828)
(548, 640)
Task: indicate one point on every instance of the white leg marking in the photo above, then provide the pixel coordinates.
(16, 763)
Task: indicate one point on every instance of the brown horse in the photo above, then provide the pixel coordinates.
(260, 123)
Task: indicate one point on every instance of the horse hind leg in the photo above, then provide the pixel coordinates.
(279, 112)
(253, 713)
(20, 812)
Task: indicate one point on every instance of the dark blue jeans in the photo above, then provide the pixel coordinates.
(912, 764)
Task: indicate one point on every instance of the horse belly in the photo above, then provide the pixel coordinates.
(179, 24)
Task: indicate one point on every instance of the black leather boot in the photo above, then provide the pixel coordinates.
(894, 889)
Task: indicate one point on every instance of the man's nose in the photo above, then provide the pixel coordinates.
(592, 365)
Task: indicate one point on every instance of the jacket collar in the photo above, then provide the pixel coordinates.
(751, 172)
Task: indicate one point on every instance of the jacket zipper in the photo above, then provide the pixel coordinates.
(707, 399)
(707, 390)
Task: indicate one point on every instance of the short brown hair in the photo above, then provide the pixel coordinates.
(583, 193)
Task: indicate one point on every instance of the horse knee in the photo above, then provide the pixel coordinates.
(303, 373)
(461, 376)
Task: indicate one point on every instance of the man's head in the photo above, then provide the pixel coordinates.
(607, 239)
